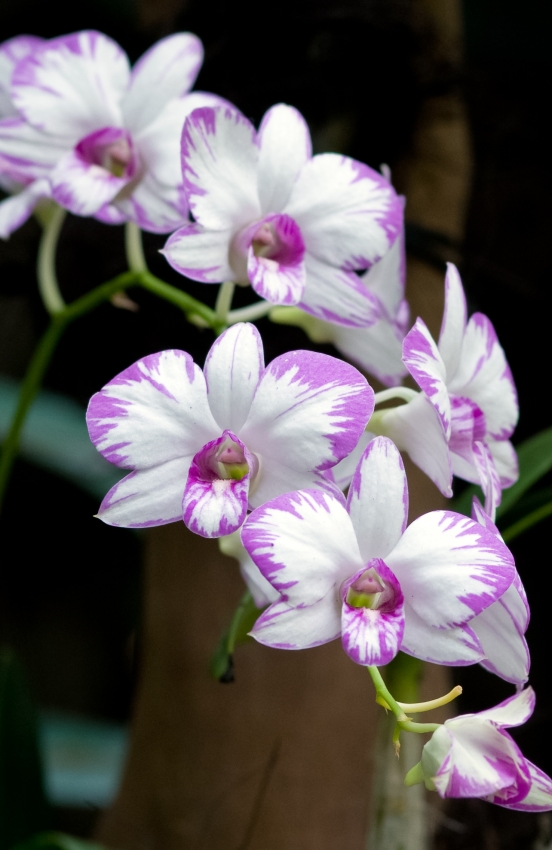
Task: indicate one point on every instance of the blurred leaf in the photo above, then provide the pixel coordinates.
(55, 437)
(245, 617)
(23, 807)
(56, 841)
(535, 460)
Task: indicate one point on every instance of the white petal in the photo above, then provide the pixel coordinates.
(219, 165)
(11, 52)
(338, 296)
(342, 473)
(82, 188)
(349, 215)
(378, 499)
(72, 85)
(456, 647)
(165, 72)
(505, 460)
(26, 153)
(154, 411)
(450, 568)
(505, 648)
(377, 349)
(284, 627)
(232, 371)
(16, 210)
(423, 360)
(416, 428)
(539, 798)
(454, 321)
(153, 206)
(304, 545)
(285, 148)
(148, 496)
(386, 278)
(514, 711)
(200, 254)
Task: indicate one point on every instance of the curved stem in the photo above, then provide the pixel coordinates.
(224, 301)
(383, 692)
(134, 249)
(250, 313)
(404, 393)
(191, 306)
(46, 263)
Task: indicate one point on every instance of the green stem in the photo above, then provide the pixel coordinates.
(224, 301)
(191, 306)
(403, 722)
(403, 393)
(527, 522)
(245, 602)
(46, 263)
(134, 249)
(249, 314)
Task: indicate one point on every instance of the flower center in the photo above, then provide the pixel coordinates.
(228, 461)
(365, 591)
(264, 242)
(110, 148)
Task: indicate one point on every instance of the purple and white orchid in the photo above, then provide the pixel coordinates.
(474, 756)
(267, 212)
(461, 421)
(203, 446)
(261, 590)
(99, 138)
(358, 572)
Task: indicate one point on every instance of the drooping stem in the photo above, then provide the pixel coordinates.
(250, 313)
(404, 393)
(403, 721)
(134, 249)
(224, 301)
(46, 263)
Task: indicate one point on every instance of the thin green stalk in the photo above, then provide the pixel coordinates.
(224, 301)
(527, 522)
(134, 248)
(403, 722)
(403, 393)
(250, 313)
(46, 263)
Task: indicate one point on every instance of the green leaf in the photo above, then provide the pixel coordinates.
(23, 807)
(56, 841)
(535, 460)
(245, 616)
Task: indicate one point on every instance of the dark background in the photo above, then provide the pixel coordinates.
(360, 72)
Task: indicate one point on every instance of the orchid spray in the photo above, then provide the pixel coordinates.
(295, 465)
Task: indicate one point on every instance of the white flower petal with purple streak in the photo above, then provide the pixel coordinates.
(26, 153)
(450, 568)
(454, 321)
(338, 296)
(378, 499)
(72, 85)
(16, 210)
(200, 254)
(373, 635)
(505, 648)
(452, 647)
(349, 214)
(467, 427)
(539, 797)
(165, 72)
(11, 52)
(377, 349)
(505, 460)
(342, 473)
(81, 187)
(488, 478)
(285, 147)
(232, 371)
(154, 411)
(303, 627)
(304, 545)
(423, 360)
(386, 279)
(513, 711)
(275, 260)
(219, 166)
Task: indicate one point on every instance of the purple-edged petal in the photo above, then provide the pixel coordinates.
(304, 544)
(349, 214)
(72, 85)
(454, 321)
(539, 797)
(262, 591)
(165, 72)
(11, 52)
(154, 411)
(373, 635)
(219, 166)
(417, 429)
(452, 647)
(16, 210)
(200, 254)
(214, 506)
(338, 296)
(81, 187)
(302, 627)
(377, 349)
(514, 711)
(488, 478)
(505, 460)
(26, 153)
(423, 360)
(147, 497)
(484, 376)
(505, 648)
(275, 260)
(232, 371)
(450, 568)
(342, 473)
(309, 411)
(285, 147)
(467, 427)
(386, 279)
(378, 499)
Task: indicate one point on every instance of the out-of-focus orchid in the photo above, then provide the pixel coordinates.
(474, 756)
(468, 397)
(104, 137)
(205, 445)
(267, 212)
(359, 572)
(377, 348)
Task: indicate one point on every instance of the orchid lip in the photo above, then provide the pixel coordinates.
(111, 149)
(228, 461)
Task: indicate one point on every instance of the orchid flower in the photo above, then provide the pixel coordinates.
(261, 590)
(101, 139)
(358, 572)
(377, 348)
(474, 756)
(205, 445)
(468, 397)
(501, 627)
(267, 212)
